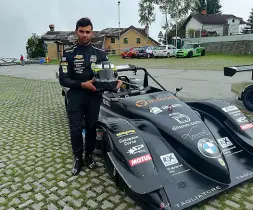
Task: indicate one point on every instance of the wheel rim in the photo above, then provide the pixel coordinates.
(249, 97)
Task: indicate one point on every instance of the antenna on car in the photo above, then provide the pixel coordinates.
(177, 90)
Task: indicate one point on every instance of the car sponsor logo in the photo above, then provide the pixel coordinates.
(64, 63)
(197, 135)
(63, 59)
(155, 110)
(180, 118)
(139, 160)
(224, 142)
(209, 148)
(169, 159)
(78, 57)
(142, 103)
(93, 58)
(229, 108)
(174, 128)
(221, 161)
(64, 69)
(125, 133)
(235, 113)
(128, 141)
(246, 126)
(136, 149)
(171, 106)
(242, 120)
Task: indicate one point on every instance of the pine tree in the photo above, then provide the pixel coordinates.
(250, 20)
(212, 6)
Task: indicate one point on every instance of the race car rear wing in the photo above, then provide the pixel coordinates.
(231, 71)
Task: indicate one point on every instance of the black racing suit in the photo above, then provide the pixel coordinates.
(75, 68)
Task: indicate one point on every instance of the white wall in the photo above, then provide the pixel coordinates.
(220, 38)
(234, 27)
(193, 24)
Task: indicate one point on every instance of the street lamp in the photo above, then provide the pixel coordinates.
(119, 24)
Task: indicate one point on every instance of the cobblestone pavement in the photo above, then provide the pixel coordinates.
(36, 159)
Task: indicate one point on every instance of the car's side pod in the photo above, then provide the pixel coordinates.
(126, 144)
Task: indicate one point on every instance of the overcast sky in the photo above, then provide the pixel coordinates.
(19, 19)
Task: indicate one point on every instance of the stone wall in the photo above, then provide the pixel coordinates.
(230, 47)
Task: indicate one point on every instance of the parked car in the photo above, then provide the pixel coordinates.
(165, 51)
(142, 52)
(191, 49)
(129, 53)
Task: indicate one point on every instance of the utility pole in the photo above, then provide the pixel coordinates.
(119, 24)
(176, 25)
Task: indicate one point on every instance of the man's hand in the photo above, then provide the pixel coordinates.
(119, 84)
(88, 85)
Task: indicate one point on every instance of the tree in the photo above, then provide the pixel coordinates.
(212, 6)
(35, 47)
(146, 13)
(250, 20)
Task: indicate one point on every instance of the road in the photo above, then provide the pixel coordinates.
(196, 84)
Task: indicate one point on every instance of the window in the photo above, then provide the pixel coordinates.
(138, 40)
(125, 40)
(112, 40)
(113, 52)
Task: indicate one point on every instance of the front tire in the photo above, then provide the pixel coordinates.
(247, 98)
(203, 53)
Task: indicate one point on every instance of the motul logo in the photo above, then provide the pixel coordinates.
(246, 126)
(139, 160)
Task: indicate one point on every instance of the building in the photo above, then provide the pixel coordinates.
(107, 39)
(203, 24)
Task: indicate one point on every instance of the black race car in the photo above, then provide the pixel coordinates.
(170, 154)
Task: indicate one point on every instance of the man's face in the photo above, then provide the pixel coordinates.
(84, 34)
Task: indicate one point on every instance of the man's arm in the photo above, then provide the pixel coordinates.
(65, 70)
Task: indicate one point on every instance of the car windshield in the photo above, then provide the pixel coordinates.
(187, 46)
(161, 47)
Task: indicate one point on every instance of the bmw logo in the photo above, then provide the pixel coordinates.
(209, 148)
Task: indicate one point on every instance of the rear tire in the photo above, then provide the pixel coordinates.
(247, 98)
(190, 54)
(203, 53)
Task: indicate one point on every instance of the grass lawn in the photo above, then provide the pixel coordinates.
(208, 62)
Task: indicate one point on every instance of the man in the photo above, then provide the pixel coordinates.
(83, 101)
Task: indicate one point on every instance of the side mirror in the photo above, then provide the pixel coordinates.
(177, 90)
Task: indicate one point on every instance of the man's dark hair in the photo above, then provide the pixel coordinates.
(83, 22)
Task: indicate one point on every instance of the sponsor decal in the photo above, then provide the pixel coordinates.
(78, 57)
(128, 141)
(201, 195)
(225, 142)
(106, 102)
(180, 118)
(155, 110)
(174, 128)
(194, 136)
(64, 69)
(136, 149)
(125, 133)
(236, 113)
(63, 59)
(230, 108)
(171, 106)
(245, 175)
(64, 63)
(169, 159)
(209, 148)
(78, 70)
(93, 58)
(221, 161)
(139, 160)
(246, 126)
(242, 120)
(142, 103)
(79, 61)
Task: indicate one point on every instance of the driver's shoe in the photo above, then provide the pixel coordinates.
(78, 164)
(89, 161)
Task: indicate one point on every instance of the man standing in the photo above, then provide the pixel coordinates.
(75, 73)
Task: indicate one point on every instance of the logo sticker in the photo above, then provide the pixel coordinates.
(64, 69)
(197, 135)
(155, 110)
(125, 133)
(78, 57)
(180, 118)
(169, 159)
(209, 148)
(221, 161)
(246, 126)
(225, 142)
(93, 58)
(229, 108)
(64, 64)
(139, 160)
(142, 103)
(242, 120)
(136, 149)
(63, 59)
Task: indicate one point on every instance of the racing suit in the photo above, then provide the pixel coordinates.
(75, 68)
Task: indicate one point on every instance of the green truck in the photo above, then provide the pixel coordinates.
(190, 50)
